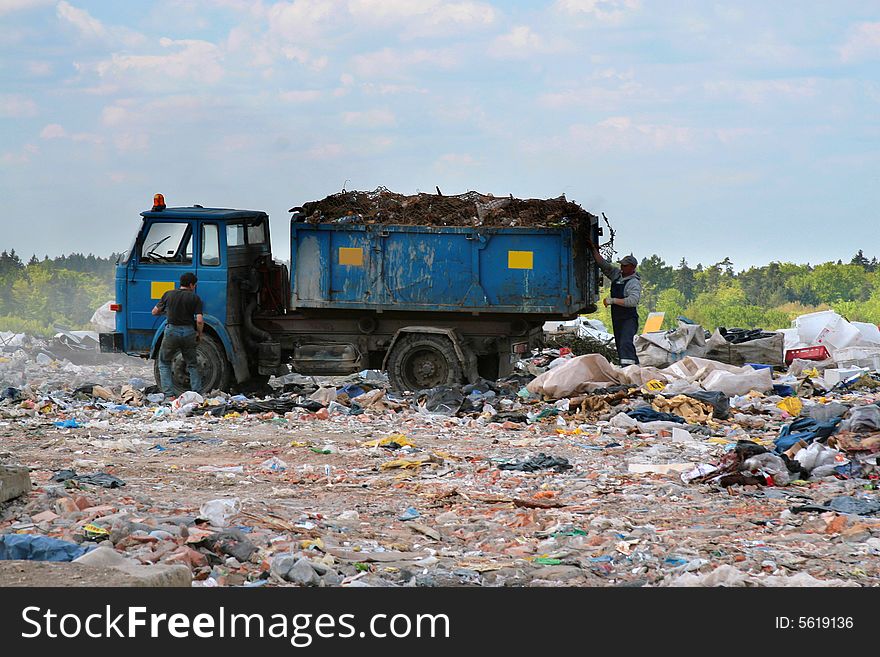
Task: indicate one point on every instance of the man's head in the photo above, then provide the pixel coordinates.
(628, 265)
(188, 280)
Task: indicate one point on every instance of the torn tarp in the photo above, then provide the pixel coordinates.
(97, 479)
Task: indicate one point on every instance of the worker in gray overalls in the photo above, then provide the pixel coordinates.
(626, 290)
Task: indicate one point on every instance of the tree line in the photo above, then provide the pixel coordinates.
(39, 296)
(767, 297)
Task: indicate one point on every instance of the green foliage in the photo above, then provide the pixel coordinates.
(40, 295)
(766, 297)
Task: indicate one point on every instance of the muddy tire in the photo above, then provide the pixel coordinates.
(213, 366)
(421, 360)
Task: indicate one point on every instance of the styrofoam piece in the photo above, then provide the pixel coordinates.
(870, 333)
(835, 375)
(791, 339)
(838, 335)
(810, 325)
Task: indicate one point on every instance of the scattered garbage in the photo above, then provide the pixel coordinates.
(539, 462)
(30, 547)
(569, 471)
(98, 479)
(219, 511)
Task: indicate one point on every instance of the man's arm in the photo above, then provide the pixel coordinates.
(607, 268)
(632, 294)
(200, 320)
(159, 308)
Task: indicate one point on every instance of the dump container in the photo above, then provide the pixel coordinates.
(547, 271)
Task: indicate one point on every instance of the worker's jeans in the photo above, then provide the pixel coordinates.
(182, 339)
(625, 330)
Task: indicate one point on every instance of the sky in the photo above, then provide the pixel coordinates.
(703, 130)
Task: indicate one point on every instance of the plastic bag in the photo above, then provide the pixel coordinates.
(824, 412)
(816, 455)
(862, 419)
(769, 465)
(273, 464)
(219, 511)
(186, 402)
(739, 384)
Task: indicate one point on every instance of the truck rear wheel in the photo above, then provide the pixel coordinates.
(213, 366)
(421, 360)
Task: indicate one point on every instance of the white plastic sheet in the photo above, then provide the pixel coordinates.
(739, 383)
(104, 318)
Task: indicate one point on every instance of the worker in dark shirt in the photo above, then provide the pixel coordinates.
(183, 307)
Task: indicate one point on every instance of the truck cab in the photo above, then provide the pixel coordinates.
(222, 247)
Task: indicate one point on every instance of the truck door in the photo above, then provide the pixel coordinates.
(211, 269)
(164, 252)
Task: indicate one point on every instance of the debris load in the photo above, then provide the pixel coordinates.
(382, 206)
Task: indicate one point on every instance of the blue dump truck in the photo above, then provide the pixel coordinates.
(432, 289)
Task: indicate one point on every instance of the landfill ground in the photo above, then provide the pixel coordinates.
(315, 501)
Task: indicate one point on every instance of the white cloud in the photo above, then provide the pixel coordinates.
(756, 92)
(120, 177)
(87, 137)
(732, 135)
(606, 90)
(194, 60)
(425, 18)
(134, 124)
(22, 156)
(133, 114)
(863, 43)
(522, 43)
(303, 20)
(457, 160)
(622, 133)
(90, 27)
(9, 6)
(132, 142)
(394, 63)
(325, 152)
(369, 119)
(57, 131)
(114, 115)
(53, 131)
(39, 69)
(82, 20)
(379, 89)
(300, 96)
(605, 11)
(16, 106)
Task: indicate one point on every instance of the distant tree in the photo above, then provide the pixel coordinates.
(860, 259)
(654, 271)
(683, 279)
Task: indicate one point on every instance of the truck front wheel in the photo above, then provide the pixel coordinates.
(213, 366)
(421, 360)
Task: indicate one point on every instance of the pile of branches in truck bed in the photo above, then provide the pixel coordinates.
(382, 206)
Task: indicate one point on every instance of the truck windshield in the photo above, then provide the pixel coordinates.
(167, 243)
